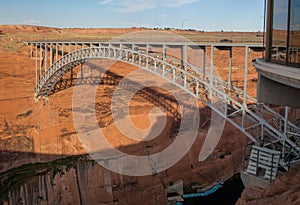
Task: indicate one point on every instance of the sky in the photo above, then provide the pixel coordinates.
(204, 15)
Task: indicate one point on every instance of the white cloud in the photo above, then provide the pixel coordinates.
(31, 21)
(103, 2)
(133, 6)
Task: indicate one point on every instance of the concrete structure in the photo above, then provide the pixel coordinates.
(279, 71)
(250, 180)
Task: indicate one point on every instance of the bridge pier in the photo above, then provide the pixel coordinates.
(41, 60)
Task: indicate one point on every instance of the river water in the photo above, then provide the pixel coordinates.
(227, 195)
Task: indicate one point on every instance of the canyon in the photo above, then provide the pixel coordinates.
(42, 160)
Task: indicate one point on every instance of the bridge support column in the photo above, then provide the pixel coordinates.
(204, 62)
(212, 48)
(184, 55)
(230, 74)
(41, 59)
(51, 54)
(56, 52)
(31, 52)
(184, 61)
(36, 64)
(164, 53)
(147, 54)
(46, 56)
(244, 106)
(62, 50)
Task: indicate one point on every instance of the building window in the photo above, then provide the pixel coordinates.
(280, 30)
(285, 32)
(294, 32)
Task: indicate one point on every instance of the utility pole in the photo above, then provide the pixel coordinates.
(182, 22)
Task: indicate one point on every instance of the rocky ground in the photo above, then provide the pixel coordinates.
(285, 190)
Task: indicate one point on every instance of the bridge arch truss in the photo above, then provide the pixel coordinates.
(256, 121)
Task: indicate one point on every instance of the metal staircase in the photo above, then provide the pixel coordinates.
(263, 161)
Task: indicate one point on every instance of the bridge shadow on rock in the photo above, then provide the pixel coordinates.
(152, 94)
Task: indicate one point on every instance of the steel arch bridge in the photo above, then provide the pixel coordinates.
(255, 120)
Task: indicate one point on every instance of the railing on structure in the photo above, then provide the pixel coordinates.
(256, 121)
(262, 162)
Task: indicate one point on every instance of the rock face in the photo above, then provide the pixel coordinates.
(73, 180)
(285, 190)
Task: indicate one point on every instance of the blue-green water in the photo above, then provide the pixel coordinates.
(227, 195)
